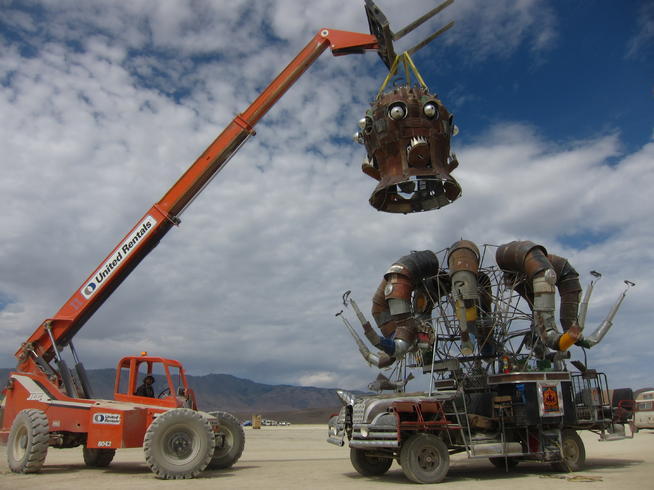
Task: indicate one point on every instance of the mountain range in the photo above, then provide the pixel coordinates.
(241, 397)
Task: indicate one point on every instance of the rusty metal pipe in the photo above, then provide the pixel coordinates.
(567, 282)
(380, 312)
(524, 256)
(392, 310)
(531, 259)
(463, 263)
(402, 278)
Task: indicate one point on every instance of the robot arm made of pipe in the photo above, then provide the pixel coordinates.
(386, 345)
(545, 272)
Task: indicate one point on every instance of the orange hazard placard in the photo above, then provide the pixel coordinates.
(550, 398)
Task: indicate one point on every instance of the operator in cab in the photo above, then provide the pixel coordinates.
(146, 389)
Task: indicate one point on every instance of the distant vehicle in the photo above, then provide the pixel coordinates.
(646, 395)
(644, 413)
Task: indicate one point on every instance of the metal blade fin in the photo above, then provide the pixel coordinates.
(380, 28)
(429, 39)
(418, 22)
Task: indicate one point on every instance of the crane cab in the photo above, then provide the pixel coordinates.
(170, 388)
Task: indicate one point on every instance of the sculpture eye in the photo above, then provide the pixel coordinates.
(430, 110)
(397, 111)
(365, 123)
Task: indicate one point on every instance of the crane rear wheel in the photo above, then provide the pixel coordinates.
(233, 441)
(98, 457)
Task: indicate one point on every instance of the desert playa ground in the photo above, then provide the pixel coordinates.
(298, 457)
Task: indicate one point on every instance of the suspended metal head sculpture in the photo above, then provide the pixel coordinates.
(407, 135)
(407, 132)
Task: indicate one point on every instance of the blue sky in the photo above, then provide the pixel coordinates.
(593, 75)
(104, 104)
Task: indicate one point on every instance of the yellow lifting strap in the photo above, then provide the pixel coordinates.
(409, 67)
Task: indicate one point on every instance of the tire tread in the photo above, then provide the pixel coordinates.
(222, 462)
(39, 434)
(150, 440)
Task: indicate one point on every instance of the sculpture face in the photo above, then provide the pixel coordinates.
(407, 134)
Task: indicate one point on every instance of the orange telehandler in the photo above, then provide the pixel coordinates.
(47, 404)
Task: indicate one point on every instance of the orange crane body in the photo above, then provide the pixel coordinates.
(164, 214)
(47, 406)
(73, 416)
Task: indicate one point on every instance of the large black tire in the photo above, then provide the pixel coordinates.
(98, 458)
(573, 452)
(504, 463)
(368, 465)
(28, 441)
(425, 458)
(178, 444)
(234, 437)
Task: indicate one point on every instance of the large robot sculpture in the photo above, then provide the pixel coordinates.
(483, 304)
(407, 134)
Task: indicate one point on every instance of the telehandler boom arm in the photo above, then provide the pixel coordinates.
(141, 239)
(54, 333)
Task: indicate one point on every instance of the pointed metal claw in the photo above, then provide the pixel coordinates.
(380, 28)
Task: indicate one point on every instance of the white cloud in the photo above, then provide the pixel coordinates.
(250, 282)
(497, 29)
(642, 39)
(322, 378)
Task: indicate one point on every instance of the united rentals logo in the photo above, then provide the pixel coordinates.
(119, 254)
(106, 418)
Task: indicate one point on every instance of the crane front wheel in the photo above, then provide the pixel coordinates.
(28, 441)
(178, 444)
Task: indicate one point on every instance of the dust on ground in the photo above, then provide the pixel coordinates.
(298, 457)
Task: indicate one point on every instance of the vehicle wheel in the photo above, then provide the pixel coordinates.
(27, 445)
(368, 465)
(425, 459)
(98, 457)
(504, 463)
(178, 444)
(232, 432)
(573, 452)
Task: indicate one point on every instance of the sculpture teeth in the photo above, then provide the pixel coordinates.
(418, 140)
